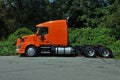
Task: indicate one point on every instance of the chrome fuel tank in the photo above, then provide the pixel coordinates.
(64, 50)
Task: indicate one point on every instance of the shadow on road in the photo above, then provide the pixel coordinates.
(53, 55)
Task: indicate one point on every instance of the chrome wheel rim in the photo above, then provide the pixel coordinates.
(105, 53)
(91, 52)
(31, 52)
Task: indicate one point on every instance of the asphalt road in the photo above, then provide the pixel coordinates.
(58, 68)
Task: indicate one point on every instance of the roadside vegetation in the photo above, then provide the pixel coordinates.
(91, 36)
(7, 46)
(90, 21)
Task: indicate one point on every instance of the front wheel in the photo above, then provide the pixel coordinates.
(105, 52)
(89, 51)
(31, 51)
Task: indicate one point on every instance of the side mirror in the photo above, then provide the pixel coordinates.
(42, 37)
(42, 31)
(37, 34)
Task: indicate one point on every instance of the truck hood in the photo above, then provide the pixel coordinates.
(24, 39)
(29, 36)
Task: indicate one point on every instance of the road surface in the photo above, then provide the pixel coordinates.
(58, 68)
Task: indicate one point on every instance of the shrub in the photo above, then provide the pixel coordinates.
(90, 36)
(115, 47)
(7, 47)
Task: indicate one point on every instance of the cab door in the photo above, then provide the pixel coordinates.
(43, 36)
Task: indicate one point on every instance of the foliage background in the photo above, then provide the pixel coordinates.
(90, 21)
(6, 46)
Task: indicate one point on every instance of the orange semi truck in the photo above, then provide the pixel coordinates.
(52, 38)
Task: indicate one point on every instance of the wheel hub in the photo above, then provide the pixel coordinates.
(91, 53)
(105, 53)
(30, 51)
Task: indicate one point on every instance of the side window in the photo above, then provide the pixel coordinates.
(43, 31)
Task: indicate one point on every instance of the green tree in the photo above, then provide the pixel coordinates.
(31, 12)
(3, 28)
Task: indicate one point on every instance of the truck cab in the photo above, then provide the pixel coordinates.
(49, 34)
(52, 33)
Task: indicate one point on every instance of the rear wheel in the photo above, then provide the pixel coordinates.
(105, 52)
(31, 51)
(89, 51)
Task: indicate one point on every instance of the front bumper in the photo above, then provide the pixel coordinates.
(18, 51)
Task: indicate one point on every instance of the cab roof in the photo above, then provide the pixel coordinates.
(50, 23)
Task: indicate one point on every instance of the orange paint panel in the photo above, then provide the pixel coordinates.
(57, 34)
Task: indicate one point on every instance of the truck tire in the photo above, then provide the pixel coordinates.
(105, 52)
(90, 52)
(31, 51)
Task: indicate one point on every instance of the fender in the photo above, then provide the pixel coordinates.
(25, 45)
